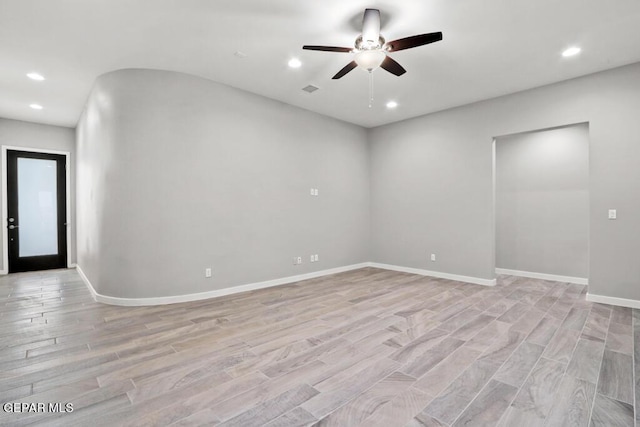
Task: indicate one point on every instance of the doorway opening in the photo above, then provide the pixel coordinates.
(541, 204)
(35, 209)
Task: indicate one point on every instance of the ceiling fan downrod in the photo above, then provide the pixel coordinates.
(370, 88)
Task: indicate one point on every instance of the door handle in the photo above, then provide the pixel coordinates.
(11, 227)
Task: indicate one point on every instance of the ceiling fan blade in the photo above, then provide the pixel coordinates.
(413, 41)
(392, 66)
(329, 48)
(350, 66)
(371, 26)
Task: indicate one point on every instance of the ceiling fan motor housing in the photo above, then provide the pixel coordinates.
(362, 44)
(371, 26)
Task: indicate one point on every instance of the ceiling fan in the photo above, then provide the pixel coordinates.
(372, 50)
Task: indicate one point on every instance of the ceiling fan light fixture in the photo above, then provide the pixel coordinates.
(370, 59)
(371, 48)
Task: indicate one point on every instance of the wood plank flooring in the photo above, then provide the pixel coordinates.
(363, 348)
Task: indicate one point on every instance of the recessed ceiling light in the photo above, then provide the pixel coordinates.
(294, 63)
(392, 104)
(36, 106)
(572, 51)
(35, 76)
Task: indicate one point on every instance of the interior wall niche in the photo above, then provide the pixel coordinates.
(542, 201)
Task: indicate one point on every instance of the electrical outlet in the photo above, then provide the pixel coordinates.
(312, 192)
(207, 272)
(613, 214)
(433, 257)
(315, 192)
(316, 258)
(299, 259)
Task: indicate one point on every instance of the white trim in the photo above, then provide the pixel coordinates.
(544, 276)
(438, 274)
(5, 243)
(87, 282)
(622, 302)
(130, 302)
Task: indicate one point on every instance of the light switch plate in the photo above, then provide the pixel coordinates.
(613, 214)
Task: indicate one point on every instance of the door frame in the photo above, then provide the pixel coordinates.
(5, 241)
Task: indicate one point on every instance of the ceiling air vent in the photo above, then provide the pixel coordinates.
(310, 88)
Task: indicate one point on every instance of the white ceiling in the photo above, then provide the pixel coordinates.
(490, 48)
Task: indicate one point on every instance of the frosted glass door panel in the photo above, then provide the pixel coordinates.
(37, 207)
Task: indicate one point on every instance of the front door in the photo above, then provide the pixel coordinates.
(36, 211)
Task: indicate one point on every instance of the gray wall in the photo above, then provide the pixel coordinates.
(542, 201)
(178, 173)
(32, 135)
(431, 179)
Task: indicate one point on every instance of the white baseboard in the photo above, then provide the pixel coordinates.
(543, 276)
(440, 275)
(86, 281)
(622, 302)
(131, 302)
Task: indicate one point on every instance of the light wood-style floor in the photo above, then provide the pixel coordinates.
(368, 347)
